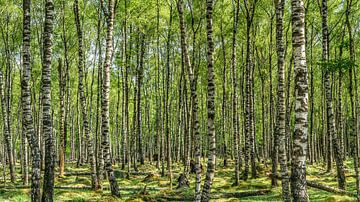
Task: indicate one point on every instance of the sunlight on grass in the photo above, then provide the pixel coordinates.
(158, 187)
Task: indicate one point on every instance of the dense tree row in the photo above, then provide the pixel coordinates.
(201, 83)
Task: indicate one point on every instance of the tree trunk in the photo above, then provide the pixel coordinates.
(6, 117)
(274, 140)
(27, 116)
(80, 159)
(125, 138)
(329, 104)
(235, 123)
(354, 104)
(88, 135)
(24, 148)
(48, 186)
(194, 100)
(62, 87)
(281, 100)
(138, 98)
(166, 103)
(312, 89)
(224, 99)
(72, 138)
(210, 172)
(109, 14)
(158, 95)
(339, 115)
(134, 143)
(249, 125)
(298, 170)
(289, 107)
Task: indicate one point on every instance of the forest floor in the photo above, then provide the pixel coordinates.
(73, 188)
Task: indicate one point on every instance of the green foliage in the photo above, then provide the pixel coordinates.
(337, 65)
(141, 16)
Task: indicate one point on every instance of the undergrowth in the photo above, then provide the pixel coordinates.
(158, 187)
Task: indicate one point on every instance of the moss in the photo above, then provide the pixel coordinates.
(338, 199)
(223, 180)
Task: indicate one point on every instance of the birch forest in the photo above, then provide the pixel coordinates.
(179, 100)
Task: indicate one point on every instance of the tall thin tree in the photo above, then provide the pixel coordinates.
(166, 98)
(48, 186)
(279, 4)
(210, 172)
(298, 169)
(85, 118)
(194, 99)
(329, 103)
(236, 136)
(62, 88)
(354, 103)
(105, 119)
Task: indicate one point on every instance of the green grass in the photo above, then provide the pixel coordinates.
(222, 184)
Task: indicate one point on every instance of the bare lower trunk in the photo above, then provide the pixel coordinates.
(62, 128)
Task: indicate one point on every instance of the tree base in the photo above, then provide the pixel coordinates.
(183, 182)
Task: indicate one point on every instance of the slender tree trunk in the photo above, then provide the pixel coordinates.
(158, 96)
(8, 144)
(7, 94)
(136, 108)
(223, 107)
(62, 88)
(91, 107)
(64, 95)
(339, 116)
(253, 147)
(138, 98)
(125, 154)
(88, 135)
(210, 172)
(312, 89)
(186, 117)
(166, 103)
(180, 146)
(281, 100)
(354, 103)
(72, 138)
(98, 148)
(298, 170)
(243, 112)
(80, 159)
(24, 148)
(194, 100)
(236, 135)
(48, 186)
(162, 112)
(274, 140)
(109, 14)
(263, 117)
(68, 119)
(329, 104)
(249, 125)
